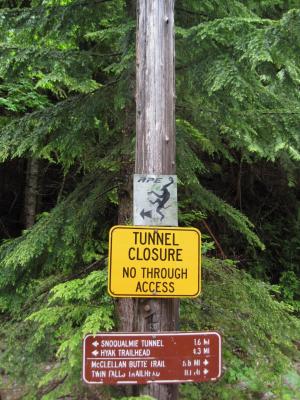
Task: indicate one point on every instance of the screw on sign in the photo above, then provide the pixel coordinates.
(135, 358)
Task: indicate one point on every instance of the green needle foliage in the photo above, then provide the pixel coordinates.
(259, 336)
(67, 78)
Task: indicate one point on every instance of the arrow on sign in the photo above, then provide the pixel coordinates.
(95, 343)
(206, 371)
(144, 214)
(205, 362)
(95, 353)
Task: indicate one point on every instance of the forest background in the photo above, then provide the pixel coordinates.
(67, 138)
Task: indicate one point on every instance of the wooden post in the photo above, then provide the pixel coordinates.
(155, 142)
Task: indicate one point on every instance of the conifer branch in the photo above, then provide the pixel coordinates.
(59, 52)
(43, 293)
(52, 386)
(191, 12)
(215, 240)
(17, 11)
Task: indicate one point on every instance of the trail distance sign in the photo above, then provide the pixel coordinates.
(154, 262)
(143, 358)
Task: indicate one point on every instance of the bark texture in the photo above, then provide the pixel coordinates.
(155, 117)
(125, 306)
(31, 192)
(155, 143)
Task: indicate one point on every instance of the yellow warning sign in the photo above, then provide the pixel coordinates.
(154, 262)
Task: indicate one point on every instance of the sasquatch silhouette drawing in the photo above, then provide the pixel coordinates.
(163, 198)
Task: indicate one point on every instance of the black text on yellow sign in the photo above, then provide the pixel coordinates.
(154, 262)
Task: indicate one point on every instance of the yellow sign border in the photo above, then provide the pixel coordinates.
(139, 228)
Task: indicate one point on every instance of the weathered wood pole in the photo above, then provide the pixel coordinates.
(155, 141)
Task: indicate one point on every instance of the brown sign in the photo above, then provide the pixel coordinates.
(140, 358)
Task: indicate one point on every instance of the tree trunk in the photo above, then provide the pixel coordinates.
(155, 143)
(31, 192)
(155, 116)
(125, 306)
